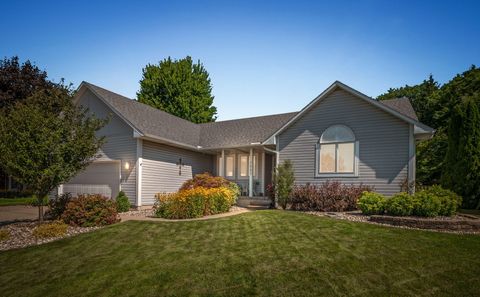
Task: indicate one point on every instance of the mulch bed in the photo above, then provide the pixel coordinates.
(21, 235)
(460, 224)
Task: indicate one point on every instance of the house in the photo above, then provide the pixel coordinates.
(341, 135)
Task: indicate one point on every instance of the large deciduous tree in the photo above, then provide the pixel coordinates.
(18, 81)
(45, 140)
(179, 87)
(462, 162)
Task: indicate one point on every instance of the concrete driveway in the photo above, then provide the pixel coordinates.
(18, 213)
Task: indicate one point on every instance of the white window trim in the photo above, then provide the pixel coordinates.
(233, 165)
(337, 174)
(255, 167)
(221, 163)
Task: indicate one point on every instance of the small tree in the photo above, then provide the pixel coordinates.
(179, 87)
(462, 162)
(283, 180)
(46, 140)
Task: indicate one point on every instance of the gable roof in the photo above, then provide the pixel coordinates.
(398, 108)
(149, 121)
(156, 124)
(402, 105)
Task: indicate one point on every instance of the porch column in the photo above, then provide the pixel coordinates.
(222, 164)
(250, 174)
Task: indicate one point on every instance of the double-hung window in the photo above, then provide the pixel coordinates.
(337, 152)
(243, 166)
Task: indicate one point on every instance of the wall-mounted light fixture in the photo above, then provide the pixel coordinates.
(126, 165)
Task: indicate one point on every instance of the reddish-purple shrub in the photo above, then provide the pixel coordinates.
(90, 210)
(205, 180)
(329, 196)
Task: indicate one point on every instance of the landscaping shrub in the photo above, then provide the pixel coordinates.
(449, 201)
(401, 204)
(284, 179)
(371, 203)
(205, 180)
(271, 194)
(329, 196)
(4, 235)
(122, 202)
(48, 230)
(194, 203)
(57, 206)
(90, 210)
(426, 204)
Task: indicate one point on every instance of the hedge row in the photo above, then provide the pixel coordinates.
(430, 202)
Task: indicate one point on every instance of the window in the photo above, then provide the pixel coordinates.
(229, 165)
(337, 151)
(243, 165)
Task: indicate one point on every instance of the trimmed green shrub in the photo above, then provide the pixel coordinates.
(426, 204)
(90, 210)
(401, 204)
(122, 202)
(57, 206)
(371, 203)
(48, 230)
(4, 235)
(449, 201)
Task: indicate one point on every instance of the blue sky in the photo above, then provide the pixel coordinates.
(263, 57)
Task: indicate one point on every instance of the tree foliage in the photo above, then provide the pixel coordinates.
(18, 81)
(436, 106)
(179, 87)
(462, 162)
(420, 96)
(45, 140)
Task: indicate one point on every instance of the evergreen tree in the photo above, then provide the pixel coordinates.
(179, 87)
(462, 161)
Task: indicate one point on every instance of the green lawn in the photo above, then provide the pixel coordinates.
(267, 253)
(15, 201)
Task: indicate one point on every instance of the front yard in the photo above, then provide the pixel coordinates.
(268, 253)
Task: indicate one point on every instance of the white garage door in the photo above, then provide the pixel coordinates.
(99, 178)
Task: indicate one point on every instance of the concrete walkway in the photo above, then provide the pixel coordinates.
(18, 213)
(143, 217)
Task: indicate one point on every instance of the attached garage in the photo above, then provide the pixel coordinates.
(99, 178)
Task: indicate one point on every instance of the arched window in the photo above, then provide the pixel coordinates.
(337, 152)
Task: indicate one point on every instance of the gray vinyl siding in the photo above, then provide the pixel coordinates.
(160, 172)
(119, 142)
(383, 142)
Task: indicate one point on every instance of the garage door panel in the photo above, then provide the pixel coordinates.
(98, 178)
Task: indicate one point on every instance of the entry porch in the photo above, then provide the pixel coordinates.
(249, 167)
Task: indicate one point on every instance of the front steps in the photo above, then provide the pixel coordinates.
(254, 202)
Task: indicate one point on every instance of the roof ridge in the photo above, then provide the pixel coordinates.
(250, 118)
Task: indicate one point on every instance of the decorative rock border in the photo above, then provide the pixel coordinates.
(455, 224)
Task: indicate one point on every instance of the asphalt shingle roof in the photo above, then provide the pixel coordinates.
(402, 105)
(241, 132)
(151, 121)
